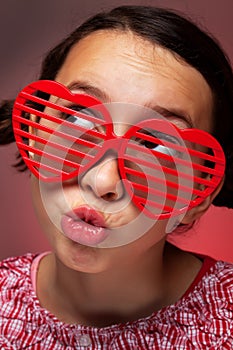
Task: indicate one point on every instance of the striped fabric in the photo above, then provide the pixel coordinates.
(201, 319)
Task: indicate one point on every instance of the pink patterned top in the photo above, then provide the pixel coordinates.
(201, 319)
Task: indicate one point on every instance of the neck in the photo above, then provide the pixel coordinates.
(130, 290)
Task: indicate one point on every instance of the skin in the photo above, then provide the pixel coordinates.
(95, 286)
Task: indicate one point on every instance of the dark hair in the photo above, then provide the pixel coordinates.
(180, 36)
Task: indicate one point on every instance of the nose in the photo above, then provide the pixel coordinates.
(103, 180)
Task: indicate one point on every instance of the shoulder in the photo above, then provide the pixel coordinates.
(18, 301)
(13, 269)
(206, 312)
(213, 293)
(16, 262)
(218, 281)
(224, 272)
(203, 317)
(15, 280)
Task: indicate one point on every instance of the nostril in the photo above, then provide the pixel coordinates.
(110, 196)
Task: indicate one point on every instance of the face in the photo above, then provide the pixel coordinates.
(121, 70)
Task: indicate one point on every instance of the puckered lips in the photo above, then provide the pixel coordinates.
(85, 226)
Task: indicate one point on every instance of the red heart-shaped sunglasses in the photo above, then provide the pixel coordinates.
(165, 170)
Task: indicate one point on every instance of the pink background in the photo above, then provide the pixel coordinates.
(27, 30)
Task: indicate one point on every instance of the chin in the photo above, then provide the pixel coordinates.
(80, 258)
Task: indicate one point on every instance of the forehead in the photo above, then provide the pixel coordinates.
(126, 68)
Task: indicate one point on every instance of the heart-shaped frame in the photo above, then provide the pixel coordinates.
(163, 175)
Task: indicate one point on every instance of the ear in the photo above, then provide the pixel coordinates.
(195, 213)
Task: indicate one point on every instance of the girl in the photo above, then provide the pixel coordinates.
(129, 97)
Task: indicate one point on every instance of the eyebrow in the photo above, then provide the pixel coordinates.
(172, 112)
(96, 92)
(89, 89)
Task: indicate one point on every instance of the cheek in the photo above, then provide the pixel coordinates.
(36, 196)
(52, 200)
(40, 210)
(46, 204)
